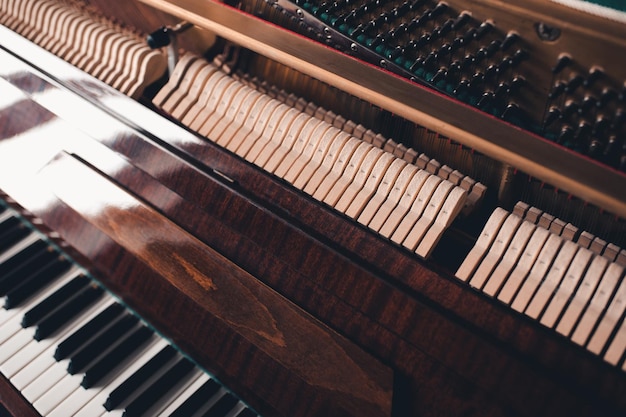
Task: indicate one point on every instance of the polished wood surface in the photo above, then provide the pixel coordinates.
(452, 351)
(13, 401)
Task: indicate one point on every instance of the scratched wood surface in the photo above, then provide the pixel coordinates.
(454, 351)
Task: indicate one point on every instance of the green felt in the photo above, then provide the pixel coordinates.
(613, 4)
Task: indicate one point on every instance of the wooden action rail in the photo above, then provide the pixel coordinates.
(99, 47)
(529, 260)
(390, 195)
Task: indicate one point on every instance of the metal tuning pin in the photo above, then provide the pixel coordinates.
(557, 90)
(511, 112)
(595, 73)
(606, 96)
(574, 82)
(461, 20)
(563, 61)
(553, 115)
(483, 29)
(509, 40)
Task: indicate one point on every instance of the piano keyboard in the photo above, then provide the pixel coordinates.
(72, 349)
(380, 189)
(528, 260)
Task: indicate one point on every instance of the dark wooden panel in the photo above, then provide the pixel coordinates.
(462, 354)
(13, 401)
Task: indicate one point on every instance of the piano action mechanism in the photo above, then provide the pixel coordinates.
(378, 208)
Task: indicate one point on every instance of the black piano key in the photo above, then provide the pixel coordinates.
(53, 301)
(197, 399)
(222, 406)
(158, 388)
(63, 315)
(246, 412)
(26, 268)
(89, 352)
(104, 365)
(35, 282)
(11, 231)
(25, 255)
(126, 388)
(86, 332)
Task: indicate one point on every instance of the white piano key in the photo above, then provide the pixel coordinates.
(89, 402)
(51, 375)
(36, 348)
(45, 360)
(18, 246)
(11, 319)
(211, 402)
(10, 347)
(236, 410)
(11, 327)
(197, 381)
(57, 393)
(5, 215)
(179, 389)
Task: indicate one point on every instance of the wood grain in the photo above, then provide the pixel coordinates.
(458, 352)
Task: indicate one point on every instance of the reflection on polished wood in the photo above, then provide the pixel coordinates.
(225, 291)
(451, 350)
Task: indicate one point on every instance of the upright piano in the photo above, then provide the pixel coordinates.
(319, 208)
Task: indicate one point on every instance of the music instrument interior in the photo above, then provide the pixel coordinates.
(312, 208)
